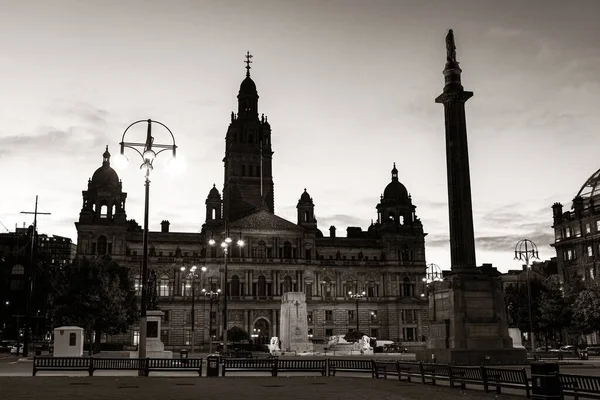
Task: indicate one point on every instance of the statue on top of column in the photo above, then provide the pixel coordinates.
(450, 47)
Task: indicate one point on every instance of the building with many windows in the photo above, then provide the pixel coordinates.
(577, 232)
(386, 261)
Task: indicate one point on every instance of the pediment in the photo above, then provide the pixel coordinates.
(264, 220)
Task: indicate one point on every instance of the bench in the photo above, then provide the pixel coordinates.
(249, 365)
(62, 364)
(503, 377)
(587, 387)
(117, 364)
(319, 366)
(408, 369)
(464, 375)
(547, 355)
(433, 372)
(166, 364)
(384, 368)
(360, 366)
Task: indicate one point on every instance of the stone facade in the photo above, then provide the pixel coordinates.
(386, 261)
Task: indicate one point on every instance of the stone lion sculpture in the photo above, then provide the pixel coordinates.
(364, 344)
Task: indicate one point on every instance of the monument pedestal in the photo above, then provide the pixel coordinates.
(468, 322)
(155, 348)
(515, 334)
(294, 323)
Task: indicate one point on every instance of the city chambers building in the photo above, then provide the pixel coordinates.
(386, 261)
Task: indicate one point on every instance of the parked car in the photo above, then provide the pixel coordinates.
(593, 351)
(568, 349)
(5, 346)
(17, 349)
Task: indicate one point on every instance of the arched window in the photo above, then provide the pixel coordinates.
(102, 244)
(243, 170)
(406, 256)
(286, 286)
(326, 288)
(306, 215)
(104, 210)
(164, 288)
(113, 210)
(250, 170)
(407, 287)
(261, 250)
(235, 286)
(261, 286)
(213, 213)
(186, 287)
(401, 220)
(391, 216)
(287, 250)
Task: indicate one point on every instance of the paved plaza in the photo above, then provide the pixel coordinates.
(263, 388)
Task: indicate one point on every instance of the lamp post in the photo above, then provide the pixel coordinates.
(526, 250)
(357, 297)
(210, 295)
(225, 244)
(191, 274)
(148, 156)
(432, 274)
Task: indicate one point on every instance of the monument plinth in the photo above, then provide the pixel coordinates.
(155, 348)
(294, 323)
(468, 317)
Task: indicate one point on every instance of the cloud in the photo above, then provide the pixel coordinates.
(500, 32)
(506, 243)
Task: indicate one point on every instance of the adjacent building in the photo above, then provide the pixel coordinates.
(386, 260)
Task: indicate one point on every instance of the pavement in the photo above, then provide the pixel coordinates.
(262, 388)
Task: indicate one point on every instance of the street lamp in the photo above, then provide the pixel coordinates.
(148, 155)
(432, 274)
(210, 295)
(357, 297)
(256, 333)
(191, 274)
(526, 250)
(225, 244)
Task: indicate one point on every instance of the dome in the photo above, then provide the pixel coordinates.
(395, 190)
(105, 176)
(305, 198)
(591, 188)
(248, 86)
(214, 192)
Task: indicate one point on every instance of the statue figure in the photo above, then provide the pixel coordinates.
(364, 345)
(152, 292)
(274, 345)
(511, 315)
(450, 47)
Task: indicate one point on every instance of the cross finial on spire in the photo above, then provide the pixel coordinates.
(248, 62)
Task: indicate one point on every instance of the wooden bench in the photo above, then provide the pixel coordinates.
(62, 364)
(434, 372)
(249, 365)
(464, 375)
(384, 368)
(547, 355)
(580, 386)
(319, 366)
(504, 377)
(408, 369)
(166, 364)
(341, 365)
(117, 364)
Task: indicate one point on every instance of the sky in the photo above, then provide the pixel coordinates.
(348, 87)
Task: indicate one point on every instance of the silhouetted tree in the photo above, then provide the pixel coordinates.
(95, 294)
(236, 334)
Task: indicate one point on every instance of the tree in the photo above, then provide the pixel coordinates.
(519, 298)
(586, 311)
(556, 314)
(95, 294)
(236, 334)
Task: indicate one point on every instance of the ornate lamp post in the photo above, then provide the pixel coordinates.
(148, 154)
(225, 244)
(210, 295)
(191, 274)
(357, 297)
(526, 250)
(432, 274)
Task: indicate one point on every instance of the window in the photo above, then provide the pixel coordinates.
(407, 286)
(261, 286)
(187, 337)
(577, 231)
(598, 226)
(164, 336)
(260, 251)
(569, 254)
(307, 254)
(590, 251)
(329, 332)
(102, 244)
(187, 316)
(374, 332)
(558, 234)
(18, 270)
(235, 286)
(409, 334)
(328, 315)
(186, 287)
(326, 288)
(163, 289)
(308, 290)
(167, 315)
(137, 284)
(373, 315)
(136, 337)
(287, 250)
(351, 315)
(409, 316)
(568, 232)
(309, 317)
(287, 285)
(213, 318)
(588, 228)
(72, 339)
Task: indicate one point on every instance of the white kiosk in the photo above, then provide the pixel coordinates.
(68, 341)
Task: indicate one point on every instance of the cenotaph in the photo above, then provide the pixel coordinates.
(294, 324)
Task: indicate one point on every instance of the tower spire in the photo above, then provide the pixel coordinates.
(248, 62)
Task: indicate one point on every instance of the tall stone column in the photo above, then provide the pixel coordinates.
(462, 238)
